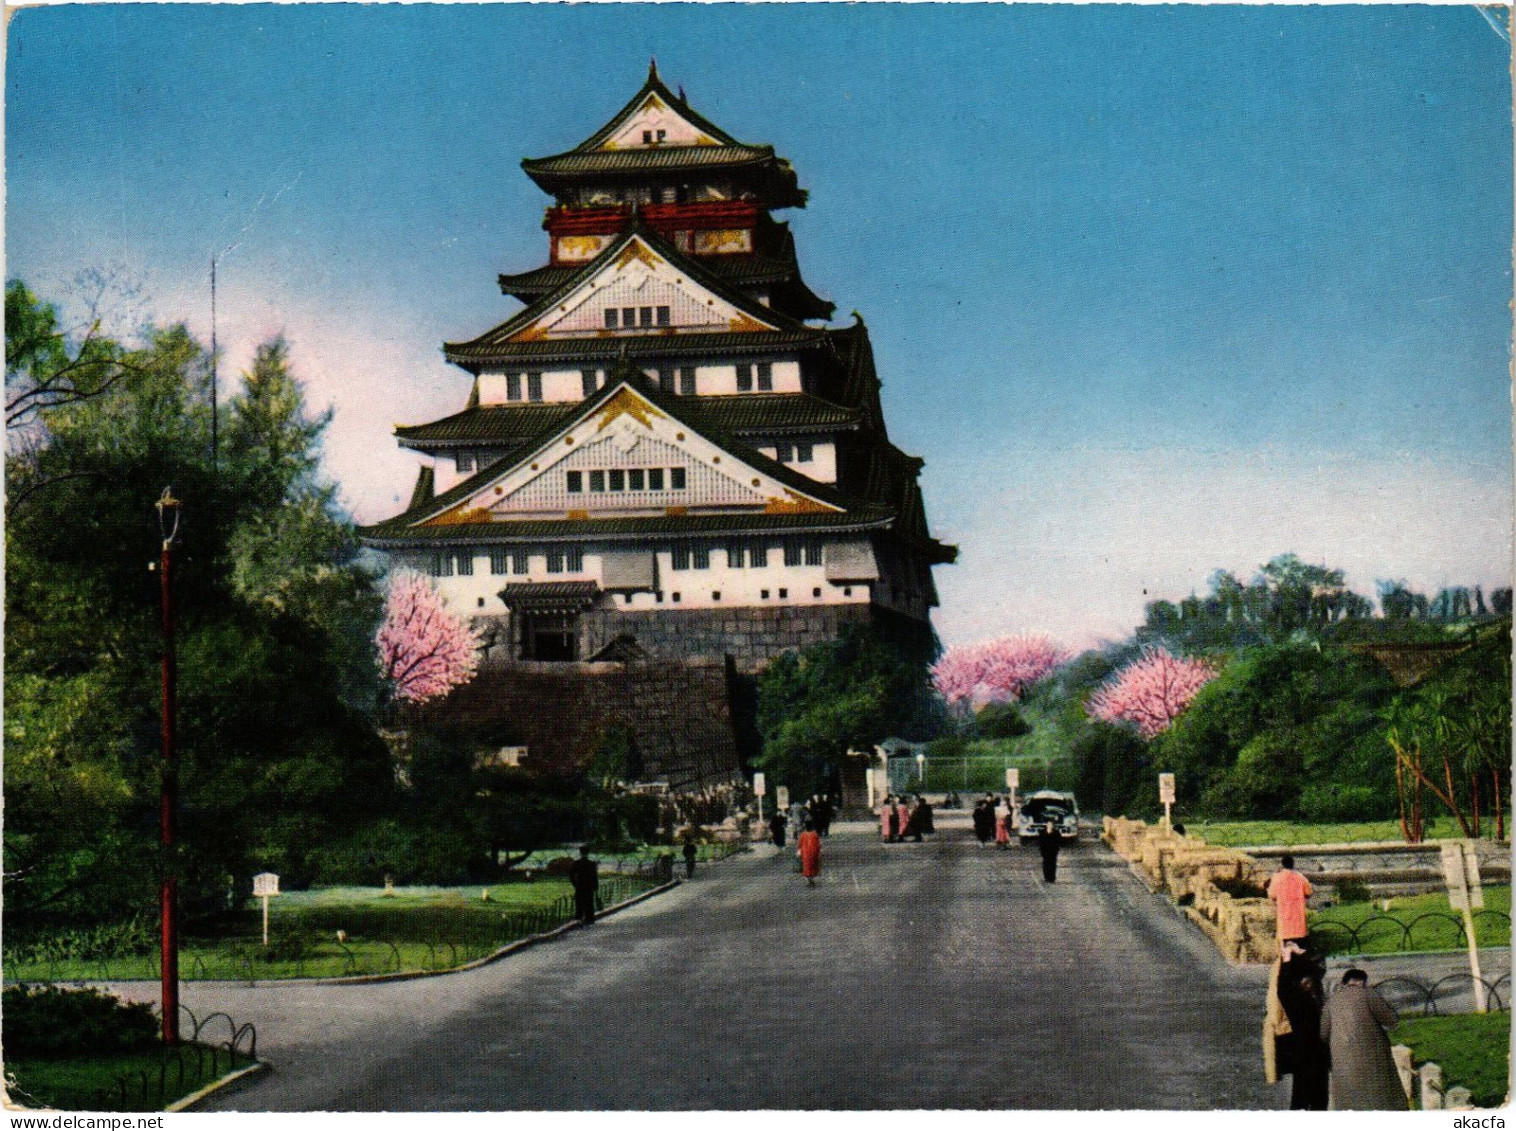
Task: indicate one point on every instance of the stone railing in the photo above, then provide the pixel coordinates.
(1424, 1086)
(1189, 872)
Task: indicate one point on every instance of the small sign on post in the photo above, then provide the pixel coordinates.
(1166, 795)
(265, 884)
(759, 789)
(1012, 780)
(782, 797)
(1460, 871)
(868, 783)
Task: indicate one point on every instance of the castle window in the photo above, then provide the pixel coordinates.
(816, 592)
(803, 453)
(634, 479)
(555, 560)
(513, 386)
(734, 555)
(687, 381)
(676, 598)
(618, 480)
(497, 560)
(655, 479)
(783, 594)
(574, 559)
(744, 378)
(784, 452)
(647, 137)
(663, 316)
(628, 317)
(763, 594)
(765, 377)
(676, 479)
(597, 481)
(680, 559)
(587, 381)
(645, 317)
(465, 563)
(465, 461)
(758, 555)
(575, 482)
(612, 319)
(534, 386)
(700, 556)
(812, 551)
(794, 552)
(716, 595)
(521, 562)
(662, 134)
(443, 565)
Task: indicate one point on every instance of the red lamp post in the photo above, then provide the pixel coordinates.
(168, 522)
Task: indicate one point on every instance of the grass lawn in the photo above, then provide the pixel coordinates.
(1383, 932)
(1257, 834)
(410, 929)
(75, 1083)
(1472, 1048)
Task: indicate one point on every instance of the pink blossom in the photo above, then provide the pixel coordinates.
(996, 670)
(1151, 692)
(424, 650)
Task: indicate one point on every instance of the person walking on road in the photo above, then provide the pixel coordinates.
(776, 829)
(1354, 1027)
(810, 854)
(1002, 818)
(902, 818)
(1289, 891)
(690, 852)
(887, 820)
(984, 821)
(1048, 843)
(924, 816)
(584, 875)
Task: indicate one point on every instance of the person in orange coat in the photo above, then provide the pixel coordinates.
(1289, 891)
(903, 815)
(888, 822)
(810, 853)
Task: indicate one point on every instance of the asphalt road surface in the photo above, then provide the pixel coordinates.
(938, 975)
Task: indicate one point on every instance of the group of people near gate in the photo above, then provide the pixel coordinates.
(1335, 1049)
(902, 818)
(994, 818)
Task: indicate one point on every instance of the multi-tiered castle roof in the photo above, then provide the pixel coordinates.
(669, 418)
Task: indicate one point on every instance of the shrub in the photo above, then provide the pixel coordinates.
(49, 1021)
(1353, 891)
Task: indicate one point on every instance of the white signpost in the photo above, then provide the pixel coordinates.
(1166, 795)
(759, 789)
(265, 884)
(1460, 870)
(868, 783)
(782, 797)
(1012, 781)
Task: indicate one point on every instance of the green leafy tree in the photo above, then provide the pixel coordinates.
(844, 694)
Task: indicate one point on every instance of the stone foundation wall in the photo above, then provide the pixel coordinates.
(679, 712)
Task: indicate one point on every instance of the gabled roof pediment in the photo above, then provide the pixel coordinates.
(642, 279)
(585, 469)
(652, 109)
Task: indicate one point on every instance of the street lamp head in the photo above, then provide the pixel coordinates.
(168, 516)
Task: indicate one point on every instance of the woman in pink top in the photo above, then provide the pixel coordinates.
(1289, 889)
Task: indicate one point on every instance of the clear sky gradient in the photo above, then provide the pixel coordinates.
(1153, 290)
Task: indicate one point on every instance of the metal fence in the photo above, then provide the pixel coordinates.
(1432, 930)
(308, 954)
(1443, 997)
(213, 1046)
(980, 774)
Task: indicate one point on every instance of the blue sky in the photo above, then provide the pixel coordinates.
(1153, 290)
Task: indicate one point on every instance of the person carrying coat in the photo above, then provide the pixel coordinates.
(1355, 1026)
(777, 825)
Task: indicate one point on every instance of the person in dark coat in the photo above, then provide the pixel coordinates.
(777, 824)
(924, 815)
(690, 851)
(1301, 998)
(1355, 1026)
(984, 822)
(584, 874)
(1048, 843)
(892, 820)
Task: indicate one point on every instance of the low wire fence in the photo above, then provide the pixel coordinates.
(1431, 930)
(211, 1048)
(1445, 996)
(306, 953)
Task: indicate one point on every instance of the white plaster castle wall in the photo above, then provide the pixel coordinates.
(563, 385)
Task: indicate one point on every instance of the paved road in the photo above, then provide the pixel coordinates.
(938, 975)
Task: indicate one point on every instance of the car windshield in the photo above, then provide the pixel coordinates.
(1041, 808)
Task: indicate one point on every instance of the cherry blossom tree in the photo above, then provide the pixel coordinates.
(1151, 692)
(996, 671)
(424, 650)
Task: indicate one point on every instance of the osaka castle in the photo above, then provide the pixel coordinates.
(668, 456)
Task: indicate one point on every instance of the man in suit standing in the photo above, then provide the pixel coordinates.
(584, 874)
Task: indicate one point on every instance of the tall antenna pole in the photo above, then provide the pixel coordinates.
(215, 449)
